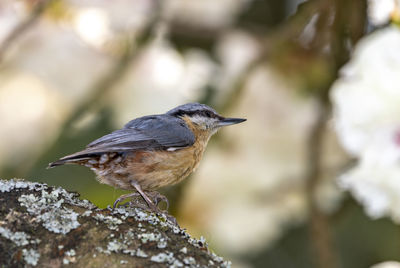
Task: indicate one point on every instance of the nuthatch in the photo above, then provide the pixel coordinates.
(151, 151)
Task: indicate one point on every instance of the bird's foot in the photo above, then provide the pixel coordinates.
(158, 198)
(152, 201)
(123, 197)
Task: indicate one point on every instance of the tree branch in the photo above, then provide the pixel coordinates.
(24, 26)
(47, 227)
(320, 230)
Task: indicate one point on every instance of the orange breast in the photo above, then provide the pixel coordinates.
(158, 169)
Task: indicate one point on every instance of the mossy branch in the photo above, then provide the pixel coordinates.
(45, 226)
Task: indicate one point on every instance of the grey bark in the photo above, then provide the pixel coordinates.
(45, 226)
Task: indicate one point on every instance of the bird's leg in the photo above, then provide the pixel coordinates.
(154, 198)
(145, 197)
(137, 193)
(158, 198)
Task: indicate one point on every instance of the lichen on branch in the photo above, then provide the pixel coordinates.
(42, 225)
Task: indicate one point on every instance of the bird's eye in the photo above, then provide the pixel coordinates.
(209, 114)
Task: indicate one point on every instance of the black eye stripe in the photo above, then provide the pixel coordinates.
(205, 113)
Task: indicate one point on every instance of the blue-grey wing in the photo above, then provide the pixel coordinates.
(157, 132)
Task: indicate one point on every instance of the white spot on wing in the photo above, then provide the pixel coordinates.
(103, 158)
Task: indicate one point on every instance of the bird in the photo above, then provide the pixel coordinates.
(152, 151)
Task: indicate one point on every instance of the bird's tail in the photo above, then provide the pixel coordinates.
(61, 162)
(56, 163)
(71, 159)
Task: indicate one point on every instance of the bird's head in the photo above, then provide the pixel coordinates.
(203, 117)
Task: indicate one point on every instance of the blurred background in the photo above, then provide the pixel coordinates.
(312, 179)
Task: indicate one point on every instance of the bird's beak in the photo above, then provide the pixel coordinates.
(230, 121)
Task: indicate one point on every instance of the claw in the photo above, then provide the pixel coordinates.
(158, 198)
(124, 197)
(116, 202)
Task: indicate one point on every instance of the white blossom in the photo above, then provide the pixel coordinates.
(366, 101)
(380, 11)
(387, 264)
